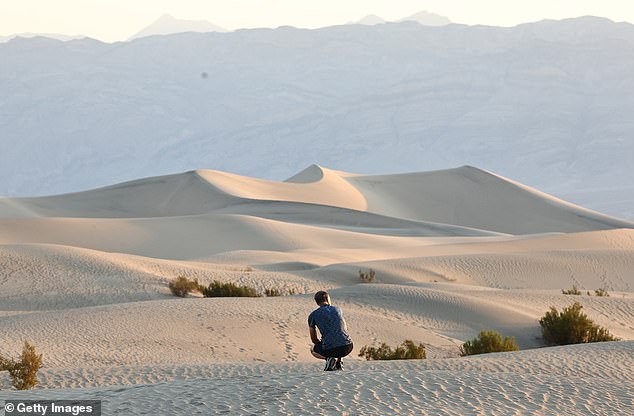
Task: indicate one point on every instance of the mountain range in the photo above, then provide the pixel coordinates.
(56, 36)
(424, 18)
(547, 103)
(167, 25)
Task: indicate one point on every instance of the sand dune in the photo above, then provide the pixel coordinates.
(573, 380)
(45, 277)
(204, 331)
(196, 236)
(172, 195)
(472, 197)
(465, 196)
(84, 277)
(313, 185)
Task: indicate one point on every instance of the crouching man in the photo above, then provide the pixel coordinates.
(335, 341)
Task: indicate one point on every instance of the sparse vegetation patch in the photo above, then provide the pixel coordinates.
(574, 291)
(367, 277)
(182, 286)
(279, 292)
(487, 342)
(23, 372)
(408, 350)
(272, 292)
(220, 289)
(602, 293)
(572, 326)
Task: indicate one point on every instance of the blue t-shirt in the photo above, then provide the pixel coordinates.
(332, 326)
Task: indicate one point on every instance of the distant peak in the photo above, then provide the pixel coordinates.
(168, 24)
(426, 18)
(370, 20)
(164, 18)
(590, 18)
(572, 21)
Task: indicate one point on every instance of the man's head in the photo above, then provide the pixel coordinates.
(322, 298)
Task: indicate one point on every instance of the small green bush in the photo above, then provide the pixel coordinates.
(487, 342)
(182, 286)
(219, 289)
(602, 292)
(572, 326)
(406, 351)
(367, 277)
(573, 291)
(24, 371)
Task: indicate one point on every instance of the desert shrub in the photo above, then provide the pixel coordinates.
(602, 292)
(406, 351)
(24, 371)
(272, 292)
(367, 277)
(572, 326)
(279, 292)
(486, 342)
(573, 291)
(182, 286)
(219, 289)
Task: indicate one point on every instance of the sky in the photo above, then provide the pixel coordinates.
(114, 20)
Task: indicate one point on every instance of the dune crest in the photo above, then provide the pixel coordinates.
(314, 185)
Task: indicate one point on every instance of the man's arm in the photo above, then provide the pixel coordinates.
(313, 335)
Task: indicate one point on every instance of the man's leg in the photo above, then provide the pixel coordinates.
(315, 350)
(318, 352)
(343, 352)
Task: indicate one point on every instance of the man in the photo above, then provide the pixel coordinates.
(335, 342)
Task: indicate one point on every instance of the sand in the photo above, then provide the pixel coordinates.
(84, 278)
(573, 380)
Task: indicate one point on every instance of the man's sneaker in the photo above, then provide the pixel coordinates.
(339, 365)
(331, 363)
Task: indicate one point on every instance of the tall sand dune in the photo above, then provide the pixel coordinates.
(472, 197)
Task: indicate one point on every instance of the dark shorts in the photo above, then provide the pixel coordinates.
(336, 352)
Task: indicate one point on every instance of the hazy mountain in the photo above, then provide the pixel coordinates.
(547, 103)
(424, 18)
(370, 20)
(166, 25)
(55, 36)
(427, 19)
